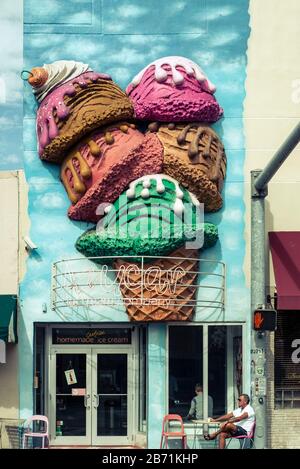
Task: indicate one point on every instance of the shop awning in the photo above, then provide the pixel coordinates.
(8, 318)
(285, 249)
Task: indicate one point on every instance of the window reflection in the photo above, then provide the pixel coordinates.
(223, 362)
(185, 366)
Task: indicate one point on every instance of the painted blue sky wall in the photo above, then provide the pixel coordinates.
(11, 99)
(120, 37)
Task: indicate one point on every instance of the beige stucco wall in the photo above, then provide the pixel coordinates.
(9, 234)
(272, 109)
(14, 225)
(9, 392)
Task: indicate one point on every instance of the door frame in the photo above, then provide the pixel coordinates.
(116, 440)
(133, 392)
(68, 440)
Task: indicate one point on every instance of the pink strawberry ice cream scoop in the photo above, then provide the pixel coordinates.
(99, 169)
(173, 89)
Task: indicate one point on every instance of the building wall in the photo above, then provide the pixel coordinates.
(9, 235)
(11, 121)
(119, 38)
(283, 424)
(9, 241)
(272, 109)
(9, 389)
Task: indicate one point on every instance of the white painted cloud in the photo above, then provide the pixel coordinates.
(232, 88)
(142, 40)
(35, 41)
(84, 48)
(232, 241)
(120, 74)
(35, 305)
(39, 285)
(50, 200)
(237, 298)
(48, 9)
(234, 67)
(234, 270)
(234, 190)
(55, 228)
(234, 138)
(233, 215)
(127, 56)
(223, 38)
(13, 159)
(158, 50)
(132, 11)
(7, 121)
(115, 27)
(213, 13)
(40, 183)
(30, 156)
(177, 7)
(204, 58)
(81, 17)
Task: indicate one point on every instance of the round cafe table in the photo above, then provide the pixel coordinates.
(203, 426)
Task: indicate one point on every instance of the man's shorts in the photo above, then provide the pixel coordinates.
(240, 431)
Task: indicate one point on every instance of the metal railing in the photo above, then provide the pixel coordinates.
(82, 286)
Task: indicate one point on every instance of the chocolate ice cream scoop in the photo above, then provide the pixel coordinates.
(195, 156)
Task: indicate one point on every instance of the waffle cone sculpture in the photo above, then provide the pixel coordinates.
(164, 290)
(155, 211)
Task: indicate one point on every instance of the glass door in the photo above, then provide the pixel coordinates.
(91, 397)
(70, 397)
(112, 398)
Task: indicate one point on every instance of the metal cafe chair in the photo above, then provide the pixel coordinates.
(167, 433)
(243, 438)
(30, 431)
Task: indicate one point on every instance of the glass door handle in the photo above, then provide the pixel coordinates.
(86, 397)
(96, 396)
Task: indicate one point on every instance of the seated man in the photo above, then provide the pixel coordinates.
(196, 409)
(238, 422)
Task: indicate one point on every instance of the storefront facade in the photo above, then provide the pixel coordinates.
(102, 378)
(93, 380)
(116, 393)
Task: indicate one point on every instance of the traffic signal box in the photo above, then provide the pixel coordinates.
(265, 319)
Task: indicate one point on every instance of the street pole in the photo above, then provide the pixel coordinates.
(259, 191)
(258, 339)
(278, 159)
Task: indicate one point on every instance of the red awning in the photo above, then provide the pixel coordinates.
(285, 248)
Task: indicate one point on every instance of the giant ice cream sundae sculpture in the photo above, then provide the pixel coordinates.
(150, 185)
